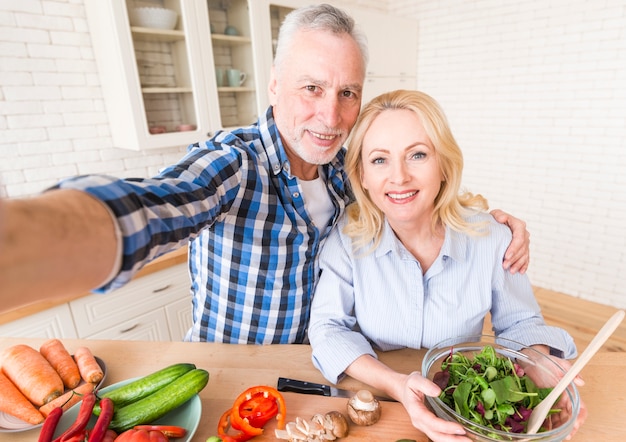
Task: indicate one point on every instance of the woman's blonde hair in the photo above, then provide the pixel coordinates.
(365, 219)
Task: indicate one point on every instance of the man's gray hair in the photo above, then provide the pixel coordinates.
(322, 17)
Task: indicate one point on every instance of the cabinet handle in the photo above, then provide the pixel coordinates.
(132, 327)
(162, 288)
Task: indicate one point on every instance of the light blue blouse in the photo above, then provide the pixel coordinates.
(381, 300)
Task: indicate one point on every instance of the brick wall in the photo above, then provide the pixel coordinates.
(536, 94)
(52, 118)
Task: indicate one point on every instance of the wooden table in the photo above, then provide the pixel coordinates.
(233, 368)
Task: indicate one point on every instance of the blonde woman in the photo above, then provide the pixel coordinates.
(414, 260)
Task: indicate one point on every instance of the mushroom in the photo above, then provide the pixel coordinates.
(321, 427)
(337, 423)
(363, 408)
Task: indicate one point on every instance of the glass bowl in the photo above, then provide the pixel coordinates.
(539, 367)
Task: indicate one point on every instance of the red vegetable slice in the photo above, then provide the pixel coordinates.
(260, 393)
(223, 426)
(168, 430)
(259, 409)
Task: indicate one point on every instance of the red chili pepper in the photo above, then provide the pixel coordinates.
(168, 430)
(222, 429)
(78, 437)
(240, 422)
(50, 424)
(102, 424)
(79, 425)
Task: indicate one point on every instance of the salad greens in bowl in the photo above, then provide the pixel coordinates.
(490, 385)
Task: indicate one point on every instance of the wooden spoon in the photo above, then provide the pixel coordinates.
(543, 408)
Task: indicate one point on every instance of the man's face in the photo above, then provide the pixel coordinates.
(316, 94)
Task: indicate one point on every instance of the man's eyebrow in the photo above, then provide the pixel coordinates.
(311, 80)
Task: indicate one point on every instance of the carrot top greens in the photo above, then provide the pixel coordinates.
(490, 390)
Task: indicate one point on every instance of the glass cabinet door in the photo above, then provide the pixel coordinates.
(233, 61)
(151, 59)
(163, 67)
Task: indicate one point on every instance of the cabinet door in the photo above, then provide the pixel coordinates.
(96, 313)
(153, 79)
(234, 62)
(55, 322)
(395, 55)
(179, 318)
(151, 326)
(377, 85)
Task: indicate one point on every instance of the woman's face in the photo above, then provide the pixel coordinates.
(400, 168)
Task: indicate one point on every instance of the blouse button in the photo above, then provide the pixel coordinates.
(296, 194)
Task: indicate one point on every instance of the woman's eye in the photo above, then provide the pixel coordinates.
(419, 156)
(378, 161)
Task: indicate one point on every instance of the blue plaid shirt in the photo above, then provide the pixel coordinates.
(252, 244)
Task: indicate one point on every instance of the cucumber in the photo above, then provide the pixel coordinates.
(144, 386)
(159, 403)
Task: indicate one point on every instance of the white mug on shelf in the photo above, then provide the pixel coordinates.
(219, 77)
(235, 77)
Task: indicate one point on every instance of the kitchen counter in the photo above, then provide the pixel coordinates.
(233, 368)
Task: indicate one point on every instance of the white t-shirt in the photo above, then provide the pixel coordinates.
(317, 201)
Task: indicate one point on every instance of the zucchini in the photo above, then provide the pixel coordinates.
(159, 403)
(145, 386)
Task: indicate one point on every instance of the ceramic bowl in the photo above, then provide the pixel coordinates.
(540, 368)
(152, 17)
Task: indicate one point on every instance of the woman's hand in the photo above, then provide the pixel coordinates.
(413, 396)
(517, 256)
(564, 402)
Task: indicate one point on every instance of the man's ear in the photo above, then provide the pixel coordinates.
(271, 87)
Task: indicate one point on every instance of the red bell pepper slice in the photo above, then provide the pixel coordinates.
(222, 430)
(258, 410)
(257, 397)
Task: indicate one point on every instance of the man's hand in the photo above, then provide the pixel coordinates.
(517, 256)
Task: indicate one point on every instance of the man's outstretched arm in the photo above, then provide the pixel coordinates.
(57, 244)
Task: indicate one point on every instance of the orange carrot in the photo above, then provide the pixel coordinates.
(32, 374)
(67, 399)
(58, 356)
(87, 365)
(13, 402)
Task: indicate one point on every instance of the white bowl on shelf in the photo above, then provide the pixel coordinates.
(153, 17)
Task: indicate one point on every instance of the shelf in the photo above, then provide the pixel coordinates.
(230, 39)
(157, 34)
(235, 89)
(166, 90)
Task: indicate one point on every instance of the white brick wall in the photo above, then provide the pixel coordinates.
(52, 118)
(536, 94)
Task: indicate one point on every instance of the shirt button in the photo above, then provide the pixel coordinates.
(296, 194)
(276, 167)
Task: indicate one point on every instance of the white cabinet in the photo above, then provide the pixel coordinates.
(392, 43)
(178, 316)
(155, 307)
(165, 80)
(159, 85)
(137, 310)
(56, 322)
